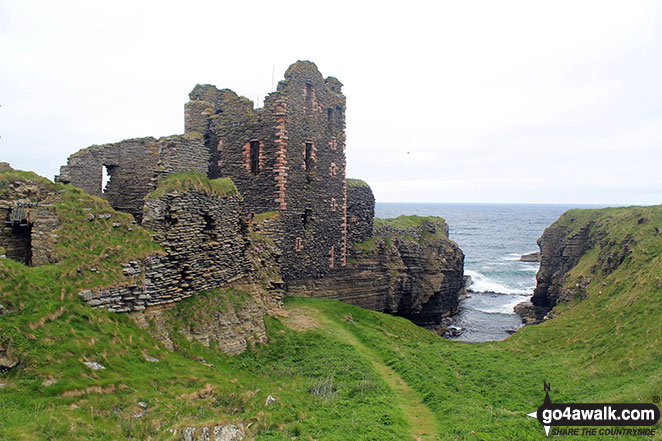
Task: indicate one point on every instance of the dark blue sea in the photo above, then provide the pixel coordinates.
(493, 237)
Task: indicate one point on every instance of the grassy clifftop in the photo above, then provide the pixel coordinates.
(405, 222)
(337, 372)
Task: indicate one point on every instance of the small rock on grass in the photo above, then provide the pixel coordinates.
(94, 365)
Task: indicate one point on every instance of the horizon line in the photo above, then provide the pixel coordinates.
(592, 204)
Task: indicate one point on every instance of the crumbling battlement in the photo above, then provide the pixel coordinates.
(287, 161)
(134, 167)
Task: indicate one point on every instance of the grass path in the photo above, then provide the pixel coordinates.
(421, 420)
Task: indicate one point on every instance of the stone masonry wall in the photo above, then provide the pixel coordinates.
(360, 211)
(204, 238)
(240, 140)
(286, 159)
(315, 242)
(34, 242)
(15, 240)
(43, 236)
(288, 156)
(134, 166)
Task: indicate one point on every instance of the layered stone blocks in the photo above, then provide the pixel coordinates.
(28, 224)
(204, 238)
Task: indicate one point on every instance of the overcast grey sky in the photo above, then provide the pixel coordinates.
(448, 101)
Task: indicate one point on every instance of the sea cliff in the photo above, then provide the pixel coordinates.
(408, 267)
(585, 247)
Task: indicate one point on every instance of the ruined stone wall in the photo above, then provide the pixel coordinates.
(181, 153)
(134, 166)
(43, 236)
(14, 239)
(240, 141)
(33, 240)
(129, 164)
(360, 211)
(204, 238)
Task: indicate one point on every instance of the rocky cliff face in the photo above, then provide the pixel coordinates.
(563, 245)
(560, 249)
(414, 272)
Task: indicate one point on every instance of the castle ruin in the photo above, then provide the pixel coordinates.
(287, 157)
(287, 162)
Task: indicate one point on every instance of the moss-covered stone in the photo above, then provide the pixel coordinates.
(186, 181)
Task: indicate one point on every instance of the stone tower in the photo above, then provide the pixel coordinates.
(287, 157)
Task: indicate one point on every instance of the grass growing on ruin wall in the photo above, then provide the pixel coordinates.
(267, 215)
(186, 181)
(370, 244)
(92, 238)
(8, 176)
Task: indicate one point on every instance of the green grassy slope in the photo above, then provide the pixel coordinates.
(338, 372)
(52, 394)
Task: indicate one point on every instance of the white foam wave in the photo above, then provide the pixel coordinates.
(531, 268)
(504, 308)
(482, 283)
(494, 303)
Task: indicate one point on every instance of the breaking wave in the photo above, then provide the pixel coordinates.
(482, 283)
